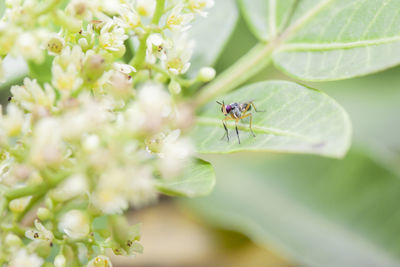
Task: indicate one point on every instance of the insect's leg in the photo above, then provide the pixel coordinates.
(237, 131)
(255, 108)
(251, 119)
(226, 129)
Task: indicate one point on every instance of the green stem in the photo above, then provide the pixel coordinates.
(181, 81)
(46, 6)
(246, 67)
(140, 56)
(34, 190)
(34, 201)
(158, 12)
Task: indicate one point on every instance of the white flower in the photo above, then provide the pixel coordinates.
(100, 261)
(28, 45)
(60, 261)
(47, 147)
(23, 259)
(112, 37)
(41, 233)
(155, 48)
(18, 205)
(200, 5)
(31, 95)
(80, 9)
(75, 224)
(154, 106)
(124, 68)
(66, 70)
(145, 7)
(87, 38)
(68, 79)
(76, 185)
(109, 196)
(90, 142)
(174, 154)
(178, 55)
(129, 16)
(88, 116)
(13, 122)
(70, 56)
(177, 21)
(142, 188)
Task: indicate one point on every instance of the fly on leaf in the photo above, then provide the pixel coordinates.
(237, 111)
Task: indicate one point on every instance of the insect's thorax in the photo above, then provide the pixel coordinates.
(235, 112)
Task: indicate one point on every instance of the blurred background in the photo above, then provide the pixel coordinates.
(289, 210)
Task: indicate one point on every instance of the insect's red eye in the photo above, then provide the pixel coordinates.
(228, 108)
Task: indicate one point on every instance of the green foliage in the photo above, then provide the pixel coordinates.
(267, 27)
(329, 39)
(212, 33)
(198, 179)
(373, 104)
(296, 119)
(313, 210)
(41, 72)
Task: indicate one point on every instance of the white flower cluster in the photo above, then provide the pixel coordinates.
(95, 137)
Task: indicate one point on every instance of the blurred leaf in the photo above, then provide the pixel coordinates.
(329, 39)
(212, 33)
(198, 179)
(42, 71)
(316, 211)
(337, 39)
(266, 18)
(373, 105)
(296, 119)
(2, 8)
(14, 69)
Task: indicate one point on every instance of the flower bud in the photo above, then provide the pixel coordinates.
(60, 261)
(55, 45)
(90, 143)
(174, 87)
(206, 74)
(12, 241)
(94, 67)
(75, 224)
(44, 214)
(100, 261)
(18, 205)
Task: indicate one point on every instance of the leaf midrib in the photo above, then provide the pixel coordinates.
(281, 45)
(260, 129)
(336, 45)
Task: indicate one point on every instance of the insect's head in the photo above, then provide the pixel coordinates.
(225, 109)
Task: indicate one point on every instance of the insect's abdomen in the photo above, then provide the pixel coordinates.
(245, 106)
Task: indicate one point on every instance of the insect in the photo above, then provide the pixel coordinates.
(237, 111)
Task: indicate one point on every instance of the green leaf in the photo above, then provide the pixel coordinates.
(2, 8)
(42, 71)
(315, 211)
(198, 179)
(296, 119)
(337, 39)
(15, 69)
(374, 113)
(266, 18)
(212, 33)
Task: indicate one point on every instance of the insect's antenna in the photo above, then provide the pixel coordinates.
(224, 108)
(219, 102)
